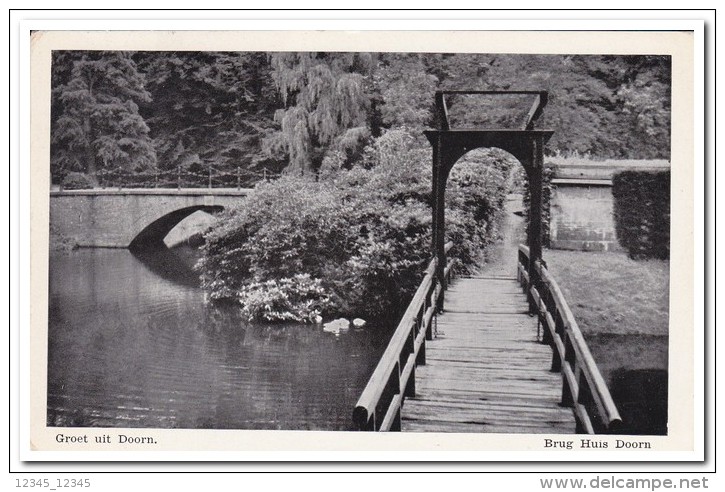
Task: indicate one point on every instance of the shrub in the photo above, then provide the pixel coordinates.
(642, 213)
(475, 196)
(546, 191)
(77, 181)
(354, 242)
(300, 298)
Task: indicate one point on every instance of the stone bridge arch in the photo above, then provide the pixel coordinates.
(152, 236)
(136, 219)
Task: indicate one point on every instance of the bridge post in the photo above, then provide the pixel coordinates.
(439, 206)
(536, 167)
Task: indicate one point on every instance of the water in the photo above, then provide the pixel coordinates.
(133, 344)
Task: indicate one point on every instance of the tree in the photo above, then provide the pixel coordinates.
(645, 101)
(96, 123)
(325, 106)
(605, 106)
(209, 108)
(403, 90)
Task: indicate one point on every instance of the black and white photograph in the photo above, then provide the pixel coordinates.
(428, 242)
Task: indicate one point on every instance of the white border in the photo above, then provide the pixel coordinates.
(296, 24)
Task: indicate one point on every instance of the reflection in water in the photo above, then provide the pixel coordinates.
(641, 397)
(132, 344)
(174, 264)
(635, 368)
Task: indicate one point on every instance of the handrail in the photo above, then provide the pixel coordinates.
(380, 404)
(584, 388)
(179, 178)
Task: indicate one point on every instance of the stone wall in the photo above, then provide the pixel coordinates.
(581, 216)
(582, 206)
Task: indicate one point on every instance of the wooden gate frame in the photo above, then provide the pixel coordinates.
(449, 145)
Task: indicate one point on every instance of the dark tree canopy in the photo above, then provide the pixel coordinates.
(299, 110)
(208, 108)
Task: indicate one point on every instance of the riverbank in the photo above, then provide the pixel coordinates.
(59, 242)
(622, 308)
(610, 293)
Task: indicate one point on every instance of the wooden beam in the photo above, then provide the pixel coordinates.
(533, 114)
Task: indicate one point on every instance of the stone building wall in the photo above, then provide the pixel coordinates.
(582, 206)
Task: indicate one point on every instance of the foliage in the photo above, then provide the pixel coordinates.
(95, 118)
(303, 111)
(547, 189)
(364, 233)
(325, 105)
(299, 299)
(642, 213)
(606, 106)
(208, 108)
(475, 196)
(402, 91)
(77, 181)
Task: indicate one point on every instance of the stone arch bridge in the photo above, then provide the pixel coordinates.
(131, 218)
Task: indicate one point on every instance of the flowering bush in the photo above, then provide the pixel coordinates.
(353, 242)
(299, 298)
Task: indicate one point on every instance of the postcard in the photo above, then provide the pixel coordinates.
(364, 241)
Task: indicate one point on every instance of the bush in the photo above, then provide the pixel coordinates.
(546, 191)
(299, 298)
(475, 196)
(642, 213)
(77, 181)
(355, 242)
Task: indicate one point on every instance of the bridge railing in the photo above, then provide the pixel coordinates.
(584, 388)
(207, 177)
(379, 407)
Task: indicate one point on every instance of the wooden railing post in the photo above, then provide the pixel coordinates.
(583, 388)
(379, 405)
(535, 205)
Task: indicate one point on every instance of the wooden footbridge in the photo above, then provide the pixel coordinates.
(503, 353)
(486, 370)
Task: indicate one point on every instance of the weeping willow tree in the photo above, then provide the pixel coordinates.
(325, 106)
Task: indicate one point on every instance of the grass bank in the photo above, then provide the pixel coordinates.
(610, 293)
(622, 308)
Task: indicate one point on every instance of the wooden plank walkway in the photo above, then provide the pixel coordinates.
(486, 371)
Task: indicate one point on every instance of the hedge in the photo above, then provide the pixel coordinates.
(642, 213)
(77, 181)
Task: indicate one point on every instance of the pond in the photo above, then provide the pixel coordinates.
(132, 343)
